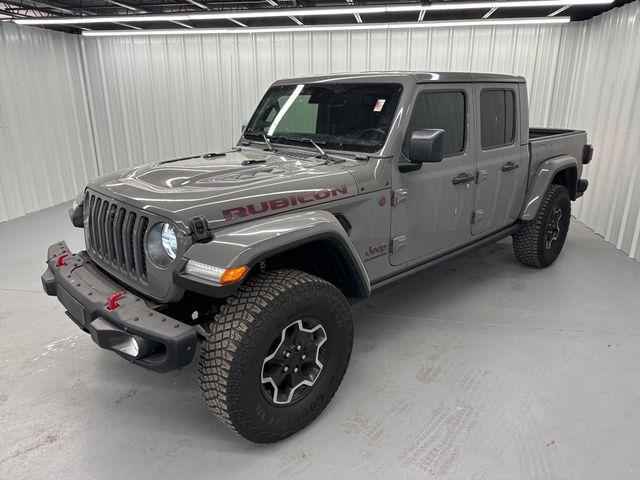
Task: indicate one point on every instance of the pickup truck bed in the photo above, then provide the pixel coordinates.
(536, 133)
(547, 143)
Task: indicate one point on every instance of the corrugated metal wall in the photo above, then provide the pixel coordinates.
(604, 99)
(159, 97)
(46, 149)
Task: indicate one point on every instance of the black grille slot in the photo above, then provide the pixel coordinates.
(116, 235)
(93, 223)
(127, 240)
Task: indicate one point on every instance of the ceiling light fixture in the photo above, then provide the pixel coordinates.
(490, 12)
(304, 11)
(330, 28)
(559, 11)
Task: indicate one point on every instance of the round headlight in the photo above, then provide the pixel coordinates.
(169, 241)
(162, 244)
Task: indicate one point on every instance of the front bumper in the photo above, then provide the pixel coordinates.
(132, 329)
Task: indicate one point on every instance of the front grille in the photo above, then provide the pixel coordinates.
(116, 235)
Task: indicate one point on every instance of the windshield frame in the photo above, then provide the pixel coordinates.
(300, 141)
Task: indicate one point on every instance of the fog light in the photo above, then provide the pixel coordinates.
(216, 274)
(129, 347)
(136, 347)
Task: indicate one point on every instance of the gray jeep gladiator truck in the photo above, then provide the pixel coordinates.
(339, 186)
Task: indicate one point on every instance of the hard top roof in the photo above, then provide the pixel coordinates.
(417, 76)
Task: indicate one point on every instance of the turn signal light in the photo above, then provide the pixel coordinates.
(233, 274)
(216, 274)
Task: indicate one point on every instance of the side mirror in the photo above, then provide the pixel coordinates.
(426, 146)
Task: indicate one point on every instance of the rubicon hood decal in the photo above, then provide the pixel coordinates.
(289, 201)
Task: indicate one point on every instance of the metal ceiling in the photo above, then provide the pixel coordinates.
(123, 15)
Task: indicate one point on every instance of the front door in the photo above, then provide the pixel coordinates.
(433, 205)
(501, 159)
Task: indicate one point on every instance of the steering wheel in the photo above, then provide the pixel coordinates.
(376, 131)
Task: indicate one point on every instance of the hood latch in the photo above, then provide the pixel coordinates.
(199, 227)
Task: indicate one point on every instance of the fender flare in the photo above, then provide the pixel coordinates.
(250, 242)
(540, 183)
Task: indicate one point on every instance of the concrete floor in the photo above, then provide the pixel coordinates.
(482, 369)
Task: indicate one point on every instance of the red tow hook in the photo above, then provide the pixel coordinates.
(111, 300)
(60, 259)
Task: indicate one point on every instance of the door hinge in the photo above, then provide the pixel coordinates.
(399, 196)
(481, 176)
(397, 243)
(477, 216)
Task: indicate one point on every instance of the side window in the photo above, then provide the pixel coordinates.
(443, 110)
(497, 118)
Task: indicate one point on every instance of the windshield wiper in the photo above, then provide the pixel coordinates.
(266, 140)
(323, 155)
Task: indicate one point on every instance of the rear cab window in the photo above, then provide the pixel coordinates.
(497, 118)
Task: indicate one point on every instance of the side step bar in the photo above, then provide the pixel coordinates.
(418, 269)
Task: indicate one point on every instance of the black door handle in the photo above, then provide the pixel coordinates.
(463, 178)
(509, 166)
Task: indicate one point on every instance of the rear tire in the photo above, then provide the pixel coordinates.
(539, 242)
(276, 354)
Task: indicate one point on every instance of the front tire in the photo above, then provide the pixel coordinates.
(276, 354)
(539, 242)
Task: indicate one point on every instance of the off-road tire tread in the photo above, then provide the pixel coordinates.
(526, 241)
(236, 323)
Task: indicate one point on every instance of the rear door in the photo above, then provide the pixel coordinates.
(501, 159)
(432, 211)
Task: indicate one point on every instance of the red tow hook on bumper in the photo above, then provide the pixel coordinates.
(60, 259)
(112, 299)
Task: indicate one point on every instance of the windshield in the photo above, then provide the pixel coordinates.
(339, 116)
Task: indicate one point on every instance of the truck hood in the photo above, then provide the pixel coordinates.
(229, 187)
